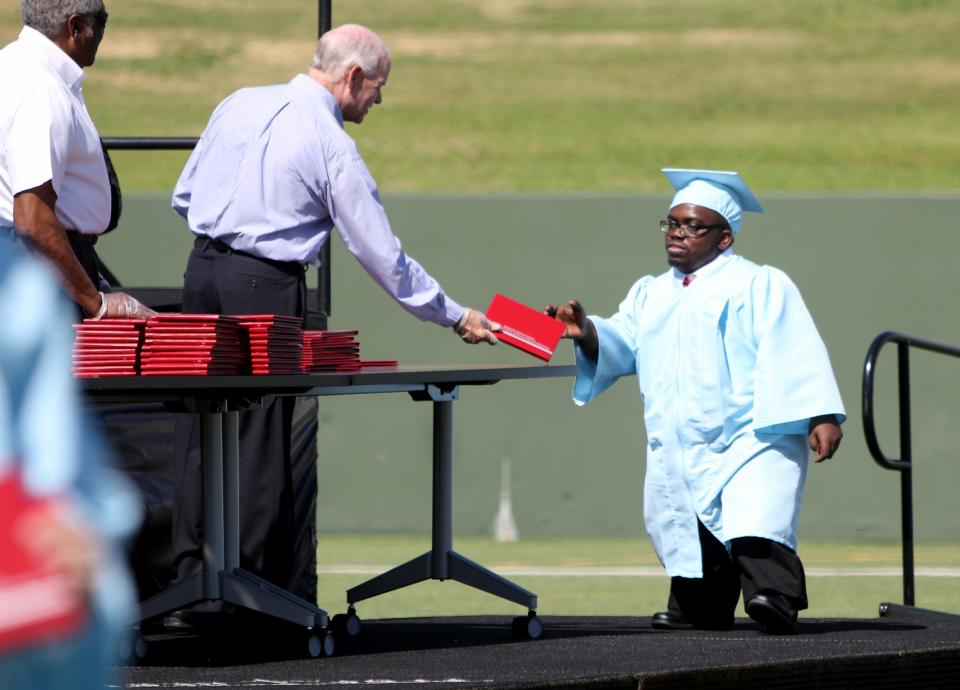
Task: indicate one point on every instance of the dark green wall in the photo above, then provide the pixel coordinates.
(864, 265)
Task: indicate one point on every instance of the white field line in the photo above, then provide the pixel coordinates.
(301, 683)
(644, 571)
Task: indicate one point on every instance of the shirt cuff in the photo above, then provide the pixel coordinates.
(453, 313)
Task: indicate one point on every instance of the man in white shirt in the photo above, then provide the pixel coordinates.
(54, 189)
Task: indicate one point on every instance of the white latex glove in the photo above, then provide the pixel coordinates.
(474, 327)
(120, 305)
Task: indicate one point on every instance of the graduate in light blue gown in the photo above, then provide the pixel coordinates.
(736, 385)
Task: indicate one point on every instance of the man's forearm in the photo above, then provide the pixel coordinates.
(37, 223)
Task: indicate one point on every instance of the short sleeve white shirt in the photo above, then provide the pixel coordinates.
(47, 134)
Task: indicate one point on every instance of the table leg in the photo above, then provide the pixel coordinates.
(442, 562)
(207, 583)
(239, 586)
(213, 518)
(442, 487)
(221, 577)
(231, 490)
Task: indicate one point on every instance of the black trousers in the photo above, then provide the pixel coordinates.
(753, 565)
(218, 281)
(82, 247)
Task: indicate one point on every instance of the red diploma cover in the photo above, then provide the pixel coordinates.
(525, 328)
(36, 603)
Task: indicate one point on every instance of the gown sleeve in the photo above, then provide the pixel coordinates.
(794, 380)
(618, 348)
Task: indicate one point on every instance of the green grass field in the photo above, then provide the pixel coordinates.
(856, 593)
(568, 95)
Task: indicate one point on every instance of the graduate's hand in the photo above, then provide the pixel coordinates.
(576, 326)
(572, 315)
(825, 436)
(474, 327)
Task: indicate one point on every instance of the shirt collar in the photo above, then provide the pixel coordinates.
(317, 90)
(52, 56)
(708, 269)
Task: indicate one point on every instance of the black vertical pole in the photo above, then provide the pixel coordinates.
(323, 275)
(442, 531)
(906, 474)
(324, 19)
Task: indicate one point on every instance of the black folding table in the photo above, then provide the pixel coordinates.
(217, 399)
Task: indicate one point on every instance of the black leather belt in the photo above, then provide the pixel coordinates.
(291, 267)
(81, 238)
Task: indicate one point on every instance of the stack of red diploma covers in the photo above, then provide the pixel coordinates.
(330, 351)
(276, 343)
(36, 603)
(193, 344)
(378, 363)
(524, 327)
(212, 344)
(107, 348)
(336, 351)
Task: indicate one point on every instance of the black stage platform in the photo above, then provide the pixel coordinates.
(907, 648)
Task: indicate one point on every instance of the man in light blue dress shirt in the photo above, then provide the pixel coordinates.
(272, 175)
(736, 384)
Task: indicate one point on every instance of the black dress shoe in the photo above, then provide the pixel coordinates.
(179, 621)
(670, 619)
(185, 620)
(774, 613)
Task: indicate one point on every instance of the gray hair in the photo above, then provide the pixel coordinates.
(49, 16)
(348, 45)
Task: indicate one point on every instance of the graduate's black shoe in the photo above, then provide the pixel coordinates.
(670, 619)
(774, 613)
(673, 619)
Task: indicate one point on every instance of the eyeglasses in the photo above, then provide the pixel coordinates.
(687, 230)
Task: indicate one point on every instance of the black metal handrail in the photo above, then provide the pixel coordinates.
(903, 464)
(140, 144)
(149, 143)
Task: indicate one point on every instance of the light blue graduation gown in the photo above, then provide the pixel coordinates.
(731, 370)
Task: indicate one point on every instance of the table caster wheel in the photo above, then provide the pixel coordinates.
(329, 645)
(347, 624)
(140, 648)
(319, 643)
(126, 646)
(527, 627)
(314, 645)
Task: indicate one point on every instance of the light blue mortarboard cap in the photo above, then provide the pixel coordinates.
(719, 190)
